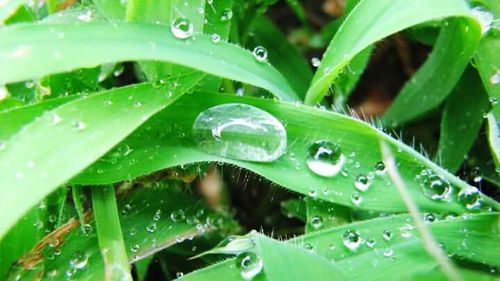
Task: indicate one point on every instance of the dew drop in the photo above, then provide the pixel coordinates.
(86, 229)
(215, 38)
(316, 222)
(325, 158)
(181, 28)
(179, 274)
(85, 16)
(315, 62)
(227, 14)
(495, 78)
(493, 100)
(435, 187)
(240, 131)
(387, 235)
(406, 230)
(78, 260)
(260, 53)
(309, 247)
(151, 227)
(388, 252)
(371, 243)
(352, 239)
(380, 168)
(356, 198)
(362, 183)
(429, 218)
(79, 125)
(134, 248)
(249, 264)
(470, 197)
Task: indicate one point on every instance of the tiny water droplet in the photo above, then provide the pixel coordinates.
(362, 183)
(227, 14)
(380, 168)
(179, 274)
(182, 28)
(177, 216)
(86, 229)
(240, 131)
(4, 93)
(493, 100)
(387, 235)
(315, 62)
(54, 118)
(215, 38)
(352, 239)
(249, 264)
(79, 125)
(260, 53)
(85, 15)
(134, 248)
(388, 252)
(429, 218)
(371, 243)
(495, 78)
(151, 227)
(78, 260)
(316, 222)
(325, 158)
(356, 198)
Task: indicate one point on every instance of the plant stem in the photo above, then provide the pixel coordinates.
(109, 234)
(430, 244)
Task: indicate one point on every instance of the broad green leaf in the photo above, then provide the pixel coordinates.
(159, 145)
(283, 261)
(397, 258)
(88, 128)
(371, 21)
(439, 74)
(137, 217)
(109, 234)
(461, 120)
(283, 55)
(29, 51)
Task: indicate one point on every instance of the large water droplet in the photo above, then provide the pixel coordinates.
(181, 28)
(240, 131)
(352, 239)
(260, 53)
(249, 264)
(470, 197)
(315, 62)
(325, 158)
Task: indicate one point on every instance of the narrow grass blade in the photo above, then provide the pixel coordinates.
(87, 127)
(371, 21)
(29, 51)
(109, 234)
(433, 82)
(9, 7)
(460, 125)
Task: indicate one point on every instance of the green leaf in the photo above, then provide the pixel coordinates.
(109, 234)
(439, 74)
(371, 21)
(406, 255)
(159, 145)
(88, 128)
(111, 9)
(29, 51)
(7, 8)
(284, 261)
(461, 121)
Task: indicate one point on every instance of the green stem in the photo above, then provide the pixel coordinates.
(109, 234)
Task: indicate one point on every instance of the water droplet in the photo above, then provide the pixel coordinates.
(316, 222)
(86, 229)
(494, 79)
(371, 242)
(138, 104)
(436, 187)
(315, 62)
(134, 248)
(387, 235)
(227, 14)
(313, 193)
(249, 264)
(325, 158)
(356, 198)
(380, 168)
(179, 274)
(470, 197)
(215, 38)
(85, 15)
(406, 230)
(476, 175)
(309, 247)
(260, 53)
(362, 183)
(157, 215)
(181, 28)
(240, 131)
(78, 260)
(79, 125)
(388, 252)
(352, 239)
(151, 227)
(493, 100)
(177, 216)
(132, 231)
(429, 218)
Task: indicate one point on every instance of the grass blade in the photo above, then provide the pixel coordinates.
(88, 128)
(29, 51)
(109, 234)
(371, 21)
(7, 8)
